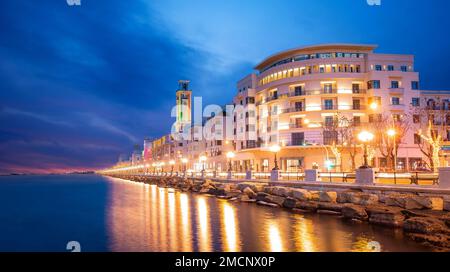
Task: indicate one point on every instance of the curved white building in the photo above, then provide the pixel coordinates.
(299, 94)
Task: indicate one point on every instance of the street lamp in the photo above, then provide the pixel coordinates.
(172, 164)
(393, 134)
(365, 137)
(162, 164)
(154, 168)
(184, 161)
(230, 156)
(203, 160)
(275, 149)
(374, 106)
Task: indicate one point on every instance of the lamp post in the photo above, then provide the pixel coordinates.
(203, 160)
(365, 137)
(184, 161)
(162, 164)
(230, 156)
(275, 149)
(154, 168)
(393, 134)
(172, 164)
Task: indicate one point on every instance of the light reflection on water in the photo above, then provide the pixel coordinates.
(147, 218)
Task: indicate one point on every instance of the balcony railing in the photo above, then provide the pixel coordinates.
(295, 109)
(396, 90)
(294, 126)
(330, 107)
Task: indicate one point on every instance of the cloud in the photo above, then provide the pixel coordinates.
(36, 116)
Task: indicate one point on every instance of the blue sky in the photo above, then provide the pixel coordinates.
(79, 85)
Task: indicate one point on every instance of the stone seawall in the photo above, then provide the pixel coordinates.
(425, 219)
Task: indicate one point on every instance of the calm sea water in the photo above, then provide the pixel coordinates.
(44, 213)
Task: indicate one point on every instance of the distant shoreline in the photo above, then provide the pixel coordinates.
(49, 174)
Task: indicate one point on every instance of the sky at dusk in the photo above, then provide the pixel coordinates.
(80, 85)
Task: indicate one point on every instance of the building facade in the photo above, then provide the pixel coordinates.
(312, 102)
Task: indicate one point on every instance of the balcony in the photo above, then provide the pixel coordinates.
(359, 107)
(295, 126)
(292, 110)
(272, 98)
(330, 107)
(359, 91)
(396, 90)
(397, 107)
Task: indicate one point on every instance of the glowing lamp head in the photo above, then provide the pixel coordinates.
(203, 158)
(162, 164)
(391, 132)
(365, 136)
(184, 160)
(306, 121)
(230, 155)
(172, 162)
(275, 148)
(374, 105)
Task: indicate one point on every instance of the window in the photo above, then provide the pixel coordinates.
(395, 84)
(373, 84)
(417, 139)
(328, 88)
(416, 118)
(397, 117)
(378, 68)
(415, 85)
(355, 88)
(298, 138)
(329, 137)
(298, 106)
(404, 68)
(356, 104)
(250, 100)
(328, 104)
(395, 100)
(329, 121)
(357, 121)
(390, 67)
(322, 69)
(373, 118)
(298, 90)
(415, 102)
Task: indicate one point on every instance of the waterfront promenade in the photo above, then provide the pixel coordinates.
(421, 211)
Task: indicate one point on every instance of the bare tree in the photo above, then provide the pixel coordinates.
(432, 119)
(344, 139)
(387, 143)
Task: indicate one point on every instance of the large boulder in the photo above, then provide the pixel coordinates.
(335, 207)
(412, 202)
(424, 225)
(232, 193)
(262, 197)
(301, 194)
(249, 192)
(447, 205)
(328, 197)
(279, 200)
(400, 200)
(425, 202)
(290, 203)
(278, 191)
(386, 216)
(357, 198)
(352, 211)
(256, 187)
(307, 206)
(315, 195)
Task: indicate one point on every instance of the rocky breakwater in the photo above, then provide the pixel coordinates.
(425, 219)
